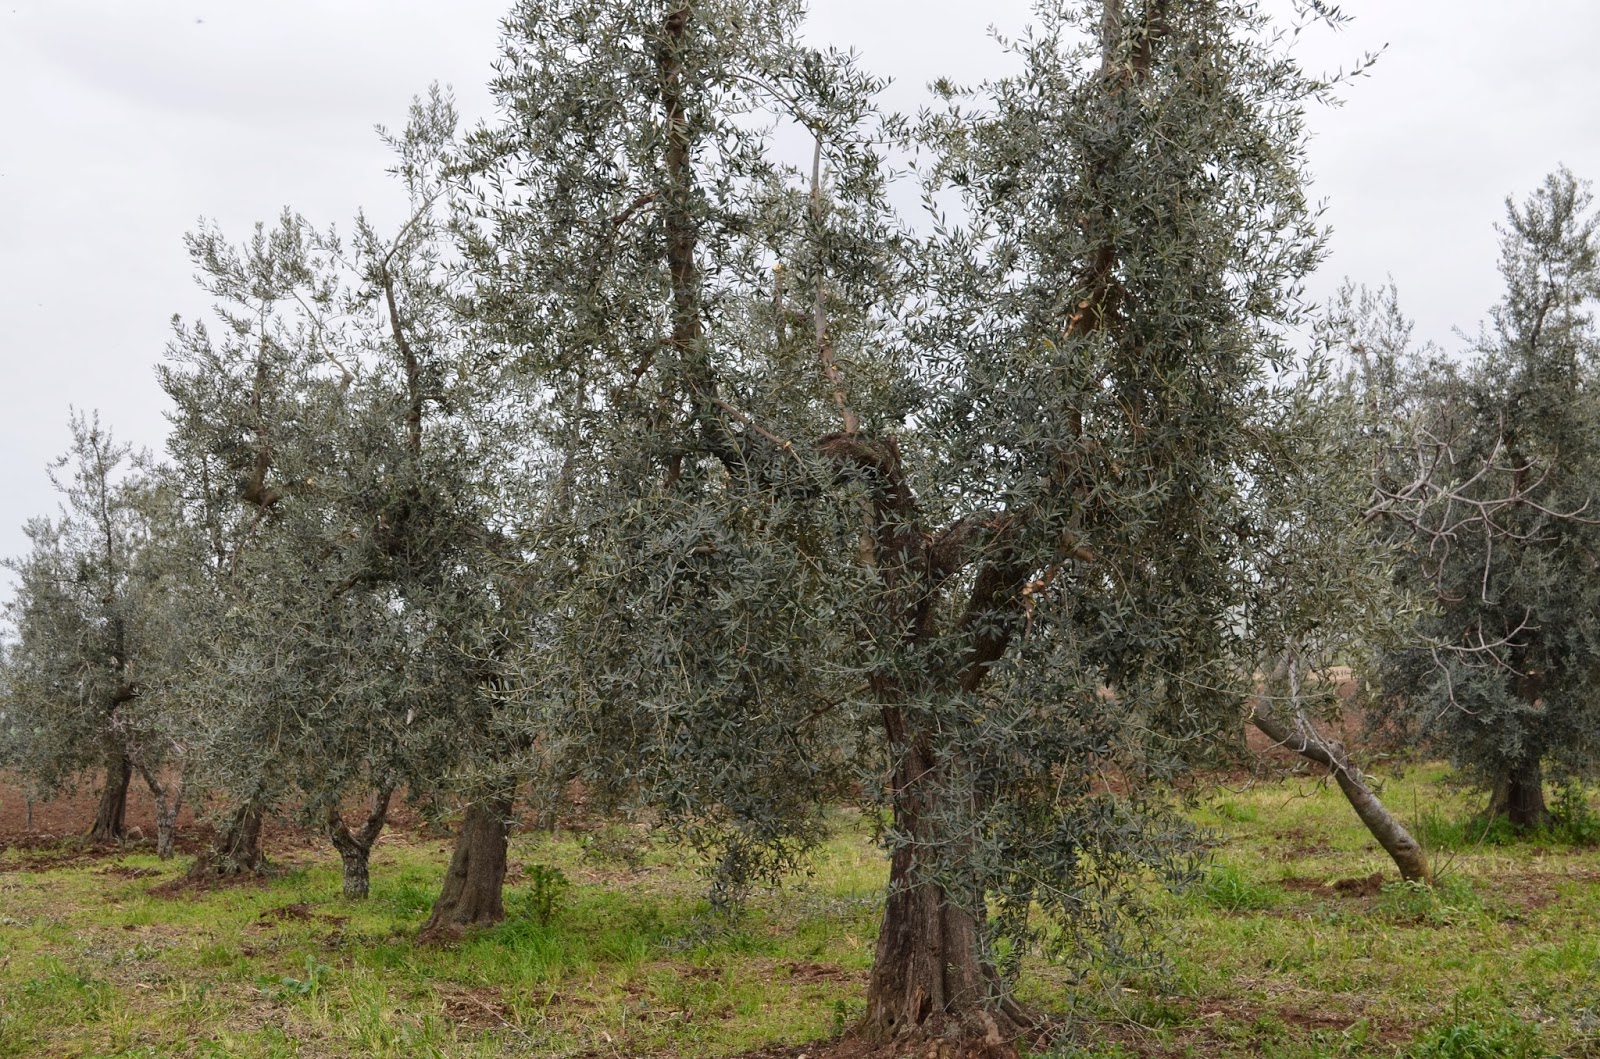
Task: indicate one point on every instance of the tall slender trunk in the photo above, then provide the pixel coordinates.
(1519, 796)
(111, 818)
(1304, 739)
(471, 894)
(169, 801)
(355, 847)
(237, 850)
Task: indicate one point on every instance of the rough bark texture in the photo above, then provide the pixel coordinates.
(110, 819)
(169, 800)
(355, 847)
(1519, 797)
(237, 851)
(471, 895)
(1303, 738)
(930, 981)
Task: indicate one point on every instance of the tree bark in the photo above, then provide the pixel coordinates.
(111, 818)
(1304, 739)
(237, 851)
(1519, 797)
(355, 847)
(931, 980)
(169, 800)
(471, 894)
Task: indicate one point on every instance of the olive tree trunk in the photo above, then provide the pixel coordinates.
(931, 974)
(1519, 797)
(237, 850)
(1303, 738)
(169, 801)
(355, 847)
(471, 894)
(111, 817)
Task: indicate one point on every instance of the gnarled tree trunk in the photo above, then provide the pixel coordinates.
(471, 894)
(355, 847)
(111, 818)
(1303, 738)
(931, 979)
(237, 850)
(1519, 796)
(169, 801)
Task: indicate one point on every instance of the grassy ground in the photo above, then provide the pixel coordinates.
(1290, 948)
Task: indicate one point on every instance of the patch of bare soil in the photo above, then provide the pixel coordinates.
(848, 1047)
(52, 834)
(476, 1009)
(1203, 1036)
(805, 971)
(300, 913)
(1362, 886)
(186, 885)
(72, 814)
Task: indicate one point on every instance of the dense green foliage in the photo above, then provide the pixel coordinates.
(957, 509)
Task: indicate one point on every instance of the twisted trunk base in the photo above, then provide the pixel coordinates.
(1519, 797)
(931, 982)
(169, 801)
(355, 847)
(111, 817)
(471, 894)
(237, 851)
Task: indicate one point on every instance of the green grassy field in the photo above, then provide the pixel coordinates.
(1289, 948)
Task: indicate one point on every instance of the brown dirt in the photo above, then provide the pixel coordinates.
(804, 971)
(1362, 886)
(72, 814)
(476, 1009)
(289, 913)
(59, 826)
(1199, 1037)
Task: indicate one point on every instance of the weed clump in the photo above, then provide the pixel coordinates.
(543, 898)
(1227, 888)
(1513, 1039)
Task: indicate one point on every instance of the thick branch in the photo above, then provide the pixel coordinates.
(414, 394)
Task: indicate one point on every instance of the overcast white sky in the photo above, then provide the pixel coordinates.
(127, 120)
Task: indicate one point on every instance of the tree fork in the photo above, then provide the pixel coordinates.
(355, 847)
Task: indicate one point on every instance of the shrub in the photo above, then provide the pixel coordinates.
(545, 896)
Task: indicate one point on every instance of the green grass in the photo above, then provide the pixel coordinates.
(1287, 947)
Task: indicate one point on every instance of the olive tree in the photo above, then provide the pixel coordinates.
(78, 657)
(252, 398)
(1324, 588)
(347, 460)
(949, 512)
(1499, 493)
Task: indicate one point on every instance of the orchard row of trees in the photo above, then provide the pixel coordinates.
(639, 456)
